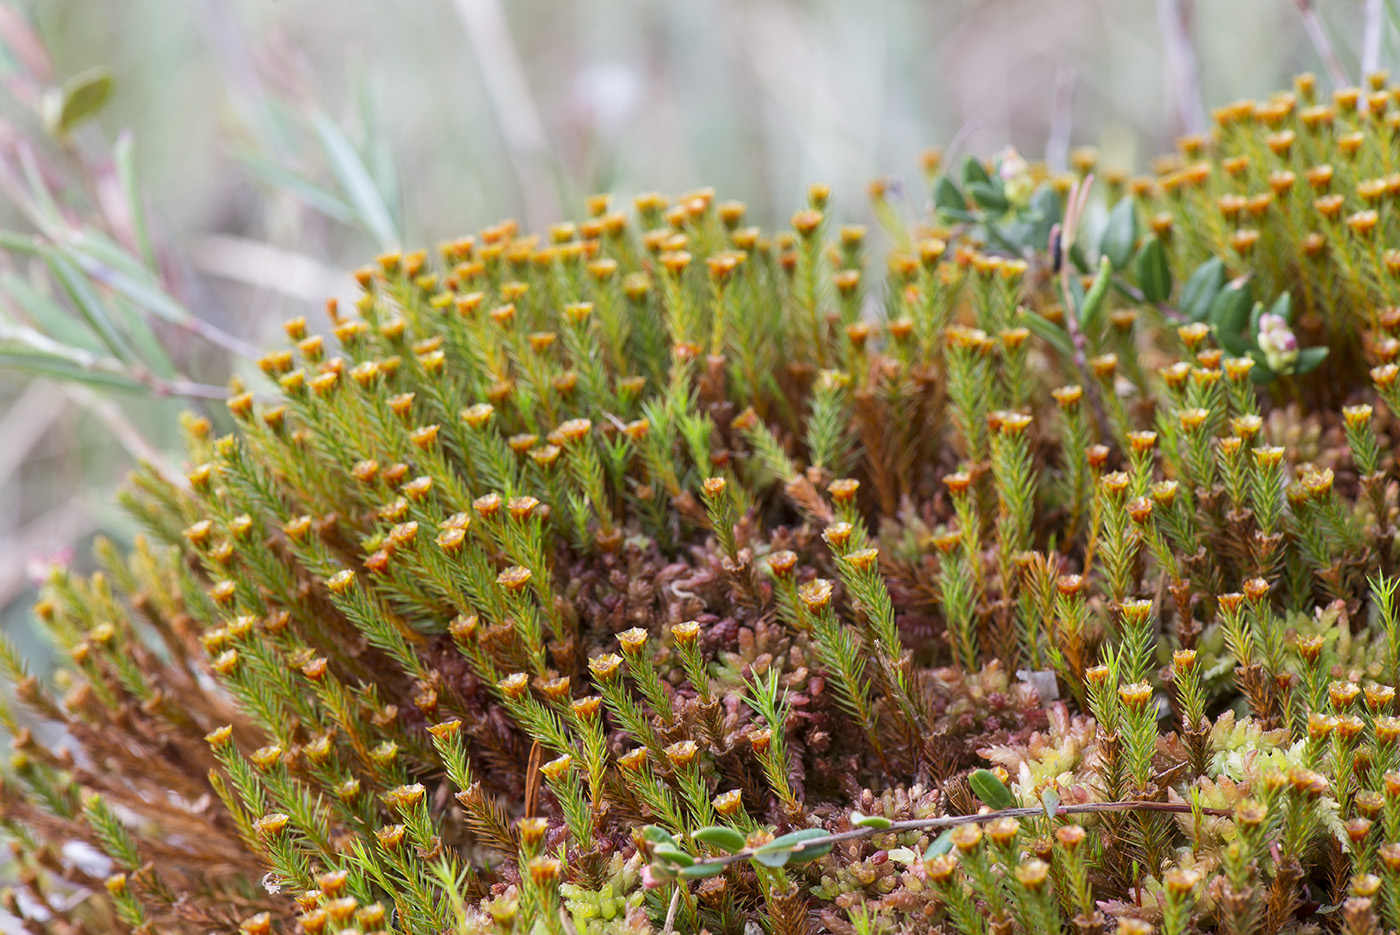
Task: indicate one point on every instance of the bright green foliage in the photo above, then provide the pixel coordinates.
(663, 573)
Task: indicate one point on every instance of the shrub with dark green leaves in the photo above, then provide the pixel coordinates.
(1031, 570)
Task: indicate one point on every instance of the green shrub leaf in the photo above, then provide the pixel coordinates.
(1153, 274)
(861, 820)
(82, 97)
(1201, 288)
(1310, 358)
(726, 839)
(672, 855)
(1050, 333)
(974, 173)
(780, 850)
(1121, 233)
(658, 835)
(988, 197)
(701, 871)
(1091, 310)
(991, 790)
(948, 199)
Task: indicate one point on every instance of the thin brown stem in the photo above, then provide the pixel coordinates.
(950, 821)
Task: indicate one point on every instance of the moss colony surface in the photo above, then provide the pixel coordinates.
(662, 573)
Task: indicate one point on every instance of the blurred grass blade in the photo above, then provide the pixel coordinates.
(299, 187)
(59, 369)
(105, 262)
(19, 243)
(48, 316)
(23, 348)
(379, 153)
(87, 301)
(40, 207)
(108, 264)
(147, 343)
(124, 155)
(355, 180)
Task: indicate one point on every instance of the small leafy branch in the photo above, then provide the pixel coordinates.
(670, 861)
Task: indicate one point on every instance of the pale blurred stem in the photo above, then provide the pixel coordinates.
(523, 131)
(186, 388)
(219, 338)
(1061, 119)
(1317, 34)
(671, 910)
(1183, 68)
(1372, 37)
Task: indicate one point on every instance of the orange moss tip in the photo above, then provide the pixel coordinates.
(682, 753)
(686, 634)
(837, 535)
(633, 641)
(1135, 696)
(863, 560)
(586, 709)
(605, 667)
(782, 563)
(271, 825)
(1142, 442)
(220, 737)
(341, 582)
(816, 595)
(1032, 873)
(941, 868)
(728, 804)
(1343, 694)
(1071, 836)
(545, 871)
(966, 837)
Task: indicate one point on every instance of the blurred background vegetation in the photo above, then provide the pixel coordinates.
(251, 152)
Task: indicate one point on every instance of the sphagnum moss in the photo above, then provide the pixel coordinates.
(661, 572)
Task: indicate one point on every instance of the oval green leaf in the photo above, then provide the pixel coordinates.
(808, 854)
(861, 820)
(84, 95)
(672, 855)
(1050, 800)
(1091, 311)
(973, 172)
(1121, 233)
(1309, 358)
(1201, 288)
(658, 835)
(991, 790)
(988, 197)
(947, 198)
(777, 852)
(1230, 314)
(1150, 269)
(1050, 333)
(726, 839)
(701, 870)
